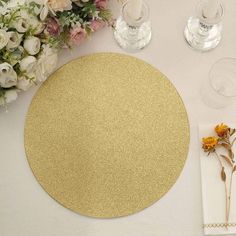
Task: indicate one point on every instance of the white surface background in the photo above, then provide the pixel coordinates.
(26, 210)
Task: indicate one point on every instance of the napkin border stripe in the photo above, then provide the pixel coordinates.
(219, 225)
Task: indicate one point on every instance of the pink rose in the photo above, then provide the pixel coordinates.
(77, 35)
(101, 3)
(97, 24)
(53, 27)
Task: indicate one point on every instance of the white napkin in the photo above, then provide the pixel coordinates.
(213, 190)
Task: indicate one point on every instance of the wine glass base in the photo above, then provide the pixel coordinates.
(132, 39)
(212, 99)
(200, 38)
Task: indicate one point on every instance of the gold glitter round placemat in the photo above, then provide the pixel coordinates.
(107, 135)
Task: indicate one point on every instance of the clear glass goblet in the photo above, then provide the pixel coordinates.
(202, 33)
(131, 34)
(220, 89)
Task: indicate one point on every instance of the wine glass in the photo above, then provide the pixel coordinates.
(130, 33)
(203, 33)
(220, 89)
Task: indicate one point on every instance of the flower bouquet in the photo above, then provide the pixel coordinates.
(33, 31)
(220, 147)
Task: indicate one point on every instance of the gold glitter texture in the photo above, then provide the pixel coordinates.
(107, 135)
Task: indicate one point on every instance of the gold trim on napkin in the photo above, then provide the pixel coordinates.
(219, 225)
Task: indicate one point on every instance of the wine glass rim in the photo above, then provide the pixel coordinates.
(209, 21)
(145, 4)
(210, 76)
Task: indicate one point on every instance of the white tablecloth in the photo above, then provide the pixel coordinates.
(26, 210)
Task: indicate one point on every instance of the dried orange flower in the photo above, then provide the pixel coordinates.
(222, 130)
(209, 144)
(224, 140)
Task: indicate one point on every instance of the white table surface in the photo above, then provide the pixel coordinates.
(26, 210)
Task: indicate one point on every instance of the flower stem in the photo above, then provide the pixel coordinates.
(230, 190)
(226, 195)
(233, 142)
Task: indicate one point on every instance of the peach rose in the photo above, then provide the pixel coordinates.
(60, 5)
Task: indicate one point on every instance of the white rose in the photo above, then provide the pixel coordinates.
(24, 83)
(10, 95)
(28, 64)
(37, 26)
(47, 62)
(4, 37)
(14, 40)
(32, 45)
(8, 76)
(24, 21)
(21, 25)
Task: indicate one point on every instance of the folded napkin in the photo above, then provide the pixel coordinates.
(213, 190)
